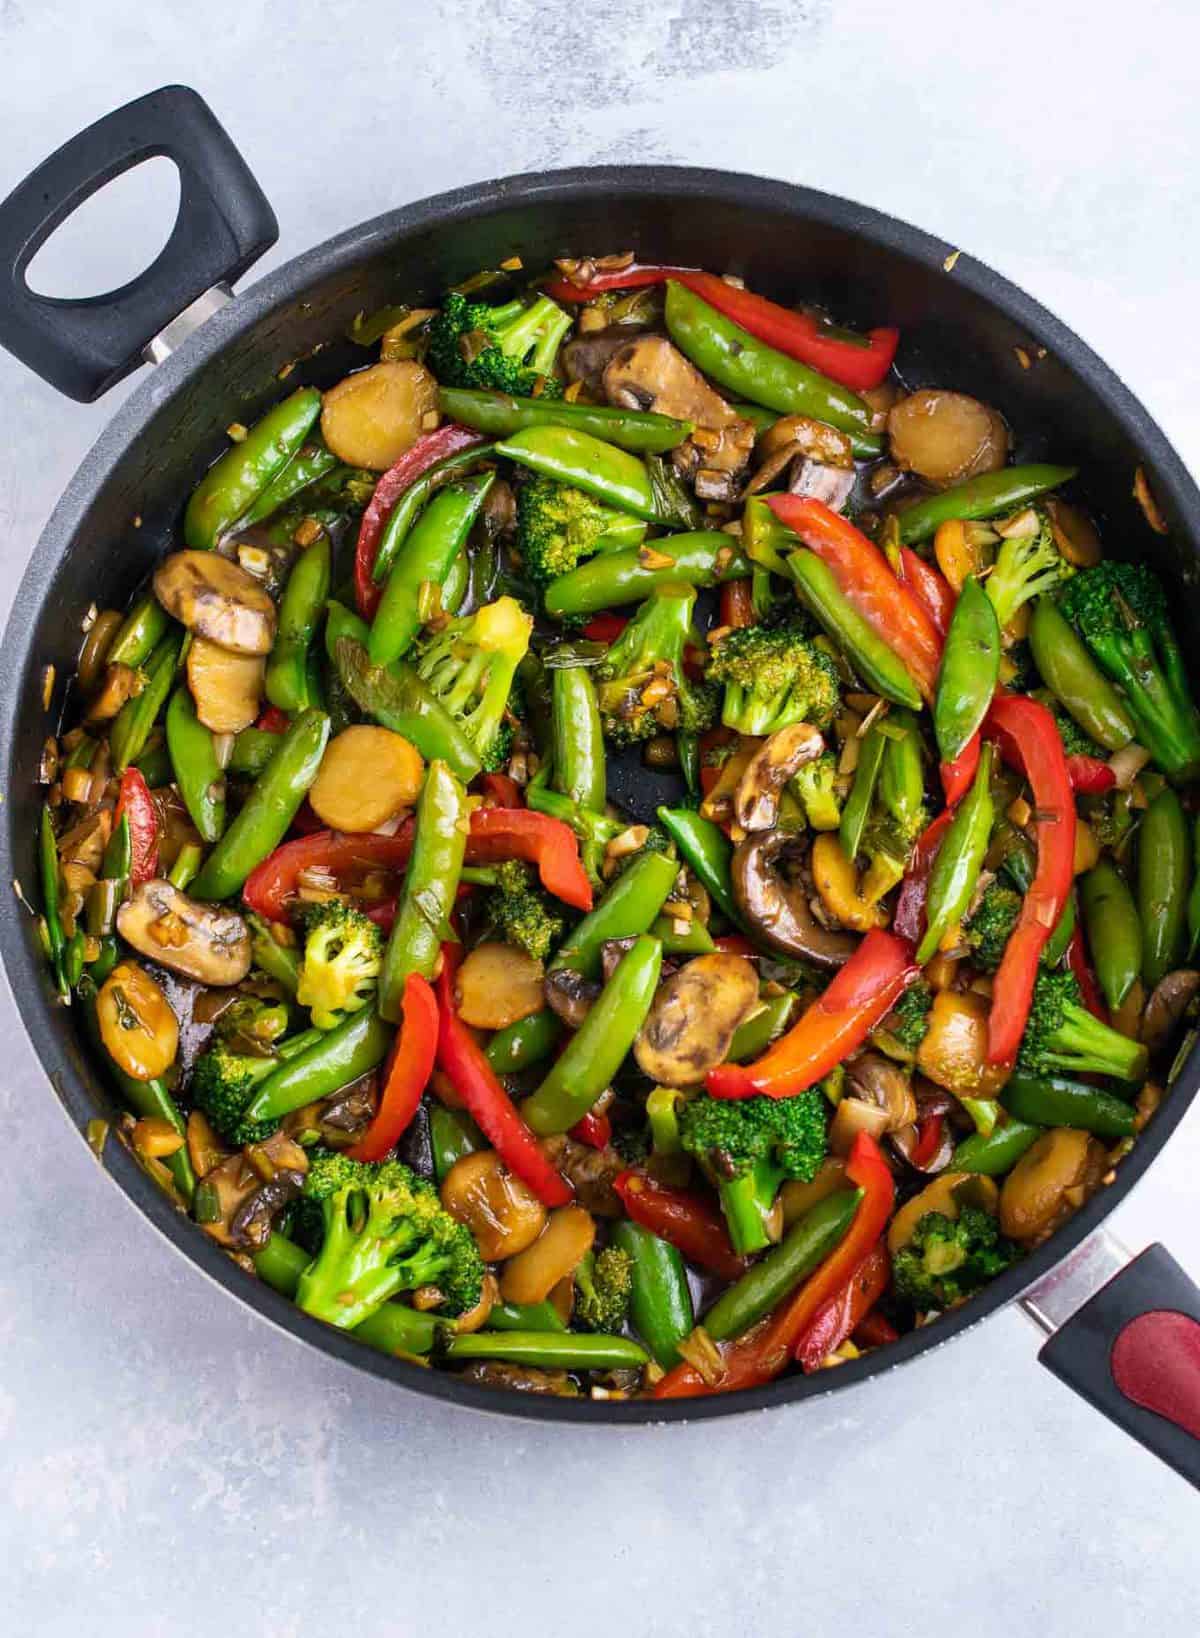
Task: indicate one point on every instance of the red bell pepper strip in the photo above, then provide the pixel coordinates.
(485, 1100)
(1034, 734)
(499, 791)
(594, 1130)
(605, 627)
(866, 989)
(270, 889)
(737, 603)
(1090, 776)
(1081, 969)
(865, 579)
(929, 1140)
(861, 364)
(736, 944)
(516, 833)
(909, 920)
(428, 449)
(929, 586)
(845, 1310)
(409, 1068)
(958, 776)
(273, 721)
(760, 1355)
(135, 803)
(873, 1331)
(692, 1224)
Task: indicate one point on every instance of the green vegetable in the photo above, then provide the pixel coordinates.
(707, 851)
(642, 685)
(498, 415)
(1027, 565)
(959, 860)
(1062, 1035)
(424, 561)
(128, 735)
(51, 888)
(990, 496)
(311, 462)
(908, 1022)
(949, 1258)
(1114, 933)
(751, 1039)
(603, 1288)
(705, 557)
(558, 526)
(231, 486)
(660, 1309)
(578, 739)
(1053, 1100)
(530, 1316)
(385, 1232)
(397, 699)
(140, 633)
(998, 1152)
(430, 884)
(774, 676)
(196, 769)
(343, 956)
(510, 348)
(1164, 863)
(452, 1134)
(1075, 680)
(521, 914)
(857, 810)
(748, 1147)
(547, 1350)
(969, 670)
(287, 681)
(469, 667)
(528, 1041)
(990, 926)
(268, 811)
(815, 787)
(334, 1059)
(394, 1329)
(627, 908)
(224, 1081)
(880, 669)
(805, 1245)
(279, 961)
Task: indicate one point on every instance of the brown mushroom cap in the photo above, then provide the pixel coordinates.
(202, 941)
(776, 905)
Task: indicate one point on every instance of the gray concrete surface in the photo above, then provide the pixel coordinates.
(170, 1465)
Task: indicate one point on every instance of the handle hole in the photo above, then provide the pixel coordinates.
(111, 237)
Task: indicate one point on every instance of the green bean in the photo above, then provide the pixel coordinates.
(430, 884)
(279, 961)
(579, 764)
(879, 667)
(194, 764)
(751, 1039)
(143, 628)
(529, 1316)
(1053, 1100)
(997, 1153)
(628, 908)
(438, 537)
(862, 793)
(547, 1350)
(393, 1329)
(253, 748)
(311, 462)
(341, 1055)
(528, 1041)
(959, 860)
(969, 670)
(708, 853)
(452, 1134)
(703, 557)
(1075, 679)
(51, 887)
(186, 866)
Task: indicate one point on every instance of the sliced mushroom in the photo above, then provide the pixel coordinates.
(823, 460)
(121, 683)
(885, 1084)
(1169, 1000)
(948, 1194)
(493, 1373)
(946, 437)
(202, 941)
(250, 1226)
(227, 688)
(650, 373)
(590, 1172)
(217, 599)
(1050, 1182)
(586, 358)
(756, 801)
(570, 995)
(236, 1180)
(695, 1014)
(772, 897)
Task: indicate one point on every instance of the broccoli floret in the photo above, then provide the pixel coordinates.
(642, 687)
(748, 1147)
(1120, 611)
(253, 1022)
(343, 953)
(520, 913)
(385, 1231)
(224, 1082)
(1075, 741)
(1062, 1035)
(510, 349)
(1027, 565)
(949, 1258)
(774, 676)
(558, 526)
(990, 926)
(908, 1021)
(470, 666)
(603, 1288)
(815, 786)
(1018, 671)
(656, 841)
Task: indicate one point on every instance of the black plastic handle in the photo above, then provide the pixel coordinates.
(224, 225)
(1133, 1351)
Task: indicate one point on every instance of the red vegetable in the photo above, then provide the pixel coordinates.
(958, 776)
(499, 791)
(485, 1100)
(409, 1068)
(864, 991)
(516, 833)
(845, 1310)
(273, 721)
(135, 803)
(1090, 776)
(909, 920)
(605, 627)
(691, 1223)
(760, 1355)
(736, 944)
(270, 889)
(929, 1140)
(426, 452)
(594, 1130)
(929, 586)
(1033, 733)
(865, 579)
(1081, 968)
(873, 1331)
(861, 364)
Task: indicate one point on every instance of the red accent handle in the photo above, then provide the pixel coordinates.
(1156, 1363)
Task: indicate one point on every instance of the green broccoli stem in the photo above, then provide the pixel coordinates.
(393, 1329)
(1084, 1045)
(747, 1202)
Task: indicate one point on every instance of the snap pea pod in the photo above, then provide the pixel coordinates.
(195, 767)
(1114, 933)
(268, 811)
(393, 1329)
(749, 369)
(997, 1153)
(579, 763)
(1163, 874)
(437, 538)
(1193, 904)
(430, 884)
(140, 633)
(231, 485)
(51, 886)
(1074, 678)
(959, 860)
(547, 1350)
(708, 853)
(902, 777)
(528, 1316)
(526, 1042)
(497, 415)
(751, 1039)
(879, 667)
(146, 1099)
(704, 557)
(969, 670)
(808, 1242)
(694, 939)
(452, 1134)
(1054, 1100)
(985, 497)
(596, 1051)
(660, 1307)
(279, 961)
(627, 909)
(862, 793)
(397, 698)
(138, 715)
(570, 456)
(253, 748)
(354, 1047)
(155, 766)
(311, 462)
(457, 582)
(413, 502)
(288, 681)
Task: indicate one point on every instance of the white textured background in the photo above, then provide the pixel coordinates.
(170, 1465)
